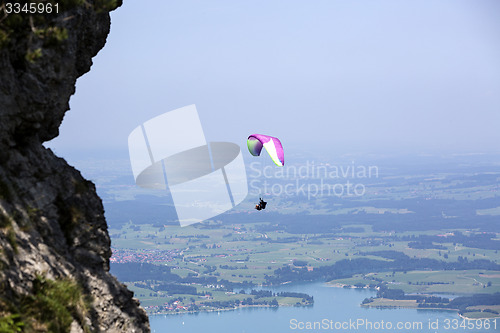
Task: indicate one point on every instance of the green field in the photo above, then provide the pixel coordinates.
(153, 300)
(250, 253)
(402, 206)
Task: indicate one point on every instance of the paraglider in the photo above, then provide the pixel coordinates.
(261, 205)
(273, 146)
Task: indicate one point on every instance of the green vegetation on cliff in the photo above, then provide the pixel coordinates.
(52, 306)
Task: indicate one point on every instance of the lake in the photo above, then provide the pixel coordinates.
(335, 309)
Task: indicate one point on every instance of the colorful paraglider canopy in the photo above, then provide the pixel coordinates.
(273, 146)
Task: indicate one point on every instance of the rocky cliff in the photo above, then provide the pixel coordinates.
(54, 243)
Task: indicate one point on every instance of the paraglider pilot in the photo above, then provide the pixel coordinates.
(261, 205)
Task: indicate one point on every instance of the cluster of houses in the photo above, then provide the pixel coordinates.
(121, 256)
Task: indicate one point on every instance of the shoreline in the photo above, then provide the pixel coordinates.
(348, 286)
(467, 318)
(223, 309)
(367, 305)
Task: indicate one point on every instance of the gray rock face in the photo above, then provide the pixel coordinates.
(51, 220)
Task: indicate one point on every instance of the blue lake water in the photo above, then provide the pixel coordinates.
(335, 309)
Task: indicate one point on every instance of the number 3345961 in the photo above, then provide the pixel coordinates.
(31, 8)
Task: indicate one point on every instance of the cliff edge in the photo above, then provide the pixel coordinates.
(54, 243)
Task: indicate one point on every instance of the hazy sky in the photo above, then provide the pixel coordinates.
(350, 75)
